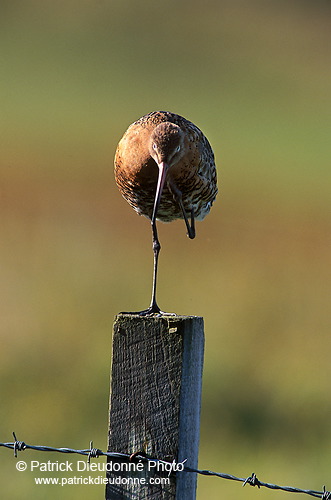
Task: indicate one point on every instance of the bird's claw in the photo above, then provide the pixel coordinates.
(154, 311)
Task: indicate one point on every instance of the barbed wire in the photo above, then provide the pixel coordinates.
(91, 452)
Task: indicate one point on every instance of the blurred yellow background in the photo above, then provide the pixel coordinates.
(255, 77)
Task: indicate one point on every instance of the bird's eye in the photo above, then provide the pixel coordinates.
(154, 146)
(177, 149)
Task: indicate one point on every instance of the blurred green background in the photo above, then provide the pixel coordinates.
(255, 77)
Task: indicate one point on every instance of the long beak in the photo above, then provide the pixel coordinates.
(163, 169)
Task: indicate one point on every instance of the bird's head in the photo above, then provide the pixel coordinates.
(166, 147)
(167, 144)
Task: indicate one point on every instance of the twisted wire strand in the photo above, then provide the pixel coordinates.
(96, 452)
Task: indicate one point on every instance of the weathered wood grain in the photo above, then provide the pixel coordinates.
(155, 400)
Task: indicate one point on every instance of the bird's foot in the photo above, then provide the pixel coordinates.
(153, 310)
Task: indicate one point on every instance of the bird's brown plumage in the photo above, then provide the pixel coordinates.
(136, 172)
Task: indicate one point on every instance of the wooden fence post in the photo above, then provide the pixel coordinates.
(155, 404)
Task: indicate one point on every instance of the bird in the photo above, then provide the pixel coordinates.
(165, 169)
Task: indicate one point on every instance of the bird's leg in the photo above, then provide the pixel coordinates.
(179, 199)
(154, 308)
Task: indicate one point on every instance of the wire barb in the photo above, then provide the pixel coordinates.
(93, 452)
(326, 494)
(18, 445)
(252, 480)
